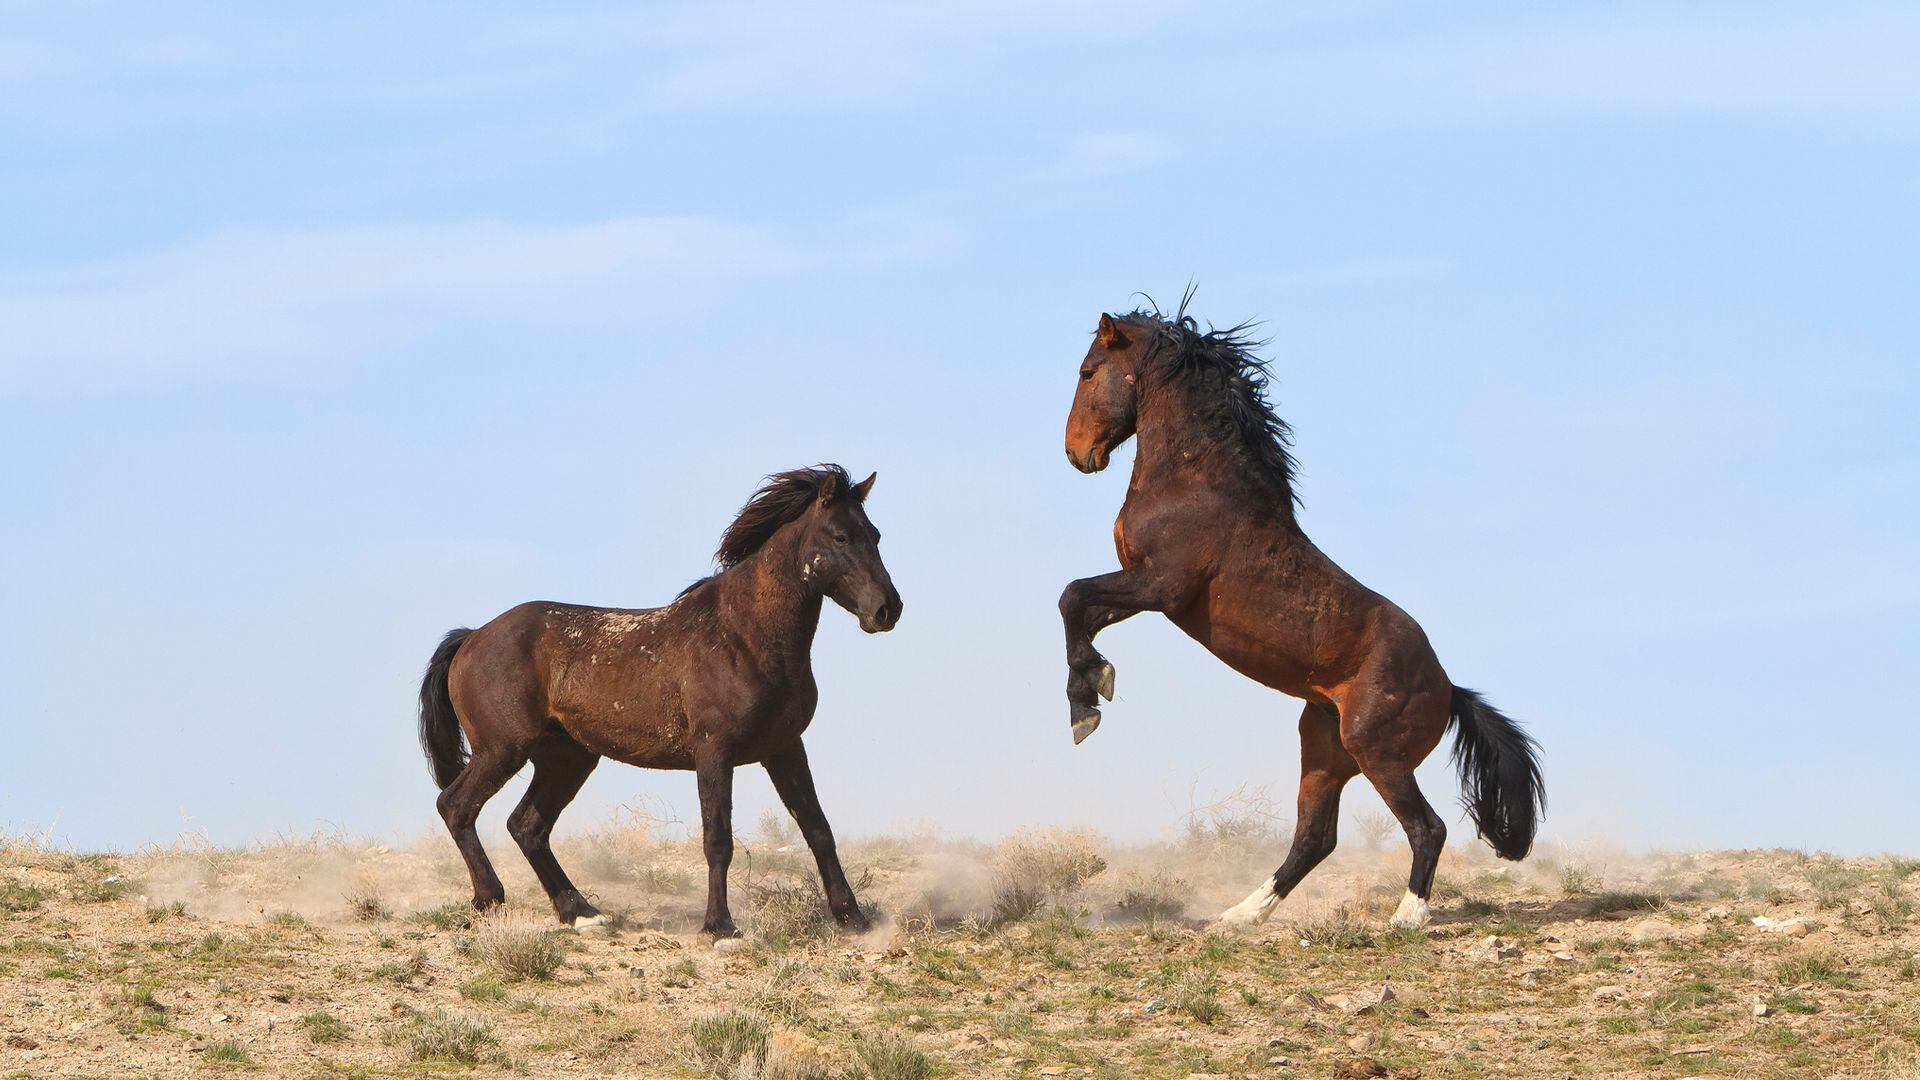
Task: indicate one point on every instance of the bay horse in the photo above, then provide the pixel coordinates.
(1208, 537)
(721, 677)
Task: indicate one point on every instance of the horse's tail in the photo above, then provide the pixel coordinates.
(1499, 774)
(440, 734)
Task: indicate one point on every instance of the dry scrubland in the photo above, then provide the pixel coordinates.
(1049, 954)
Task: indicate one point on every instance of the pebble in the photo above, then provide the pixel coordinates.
(1609, 993)
(728, 946)
(1652, 930)
(1363, 1042)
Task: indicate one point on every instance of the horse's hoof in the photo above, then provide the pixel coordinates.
(587, 923)
(722, 931)
(1412, 915)
(1253, 910)
(1085, 719)
(1105, 683)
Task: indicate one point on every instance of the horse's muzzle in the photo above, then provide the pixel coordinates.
(884, 618)
(1095, 460)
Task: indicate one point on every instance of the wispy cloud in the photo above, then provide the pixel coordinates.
(264, 296)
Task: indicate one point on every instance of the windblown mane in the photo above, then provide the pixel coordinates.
(1180, 351)
(784, 497)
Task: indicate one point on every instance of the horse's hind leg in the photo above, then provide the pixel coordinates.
(1389, 746)
(1325, 768)
(560, 767)
(491, 766)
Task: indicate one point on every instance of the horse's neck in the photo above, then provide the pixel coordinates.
(1183, 448)
(1175, 445)
(765, 598)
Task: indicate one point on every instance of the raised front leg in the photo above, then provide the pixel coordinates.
(715, 772)
(1088, 606)
(793, 779)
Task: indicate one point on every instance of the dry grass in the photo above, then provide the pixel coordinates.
(518, 945)
(1106, 970)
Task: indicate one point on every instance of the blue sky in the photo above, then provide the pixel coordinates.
(321, 333)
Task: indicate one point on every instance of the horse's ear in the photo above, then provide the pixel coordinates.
(1109, 336)
(861, 489)
(830, 488)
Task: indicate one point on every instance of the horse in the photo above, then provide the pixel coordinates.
(1208, 536)
(720, 677)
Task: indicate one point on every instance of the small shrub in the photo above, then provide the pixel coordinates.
(1338, 930)
(365, 903)
(452, 1037)
(1374, 827)
(457, 915)
(518, 947)
(1014, 902)
(722, 1041)
(1151, 898)
(1199, 998)
(1576, 879)
(227, 1052)
(680, 973)
(1054, 862)
(140, 1011)
(889, 1057)
(785, 910)
(1609, 902)
(324, 1028)
(287, 920)
(777, 829)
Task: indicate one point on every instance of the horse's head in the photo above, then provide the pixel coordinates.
(840, 555)
(1105, 405)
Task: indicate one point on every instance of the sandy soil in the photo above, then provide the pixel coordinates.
(1049, 954)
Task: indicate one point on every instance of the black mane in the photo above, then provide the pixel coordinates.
(1179, 351)
(784, 497)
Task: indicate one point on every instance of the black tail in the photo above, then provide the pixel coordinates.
(440, 733)
(1499, 773)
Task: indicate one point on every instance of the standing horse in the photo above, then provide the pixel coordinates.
(721, 677)
(1208, 538)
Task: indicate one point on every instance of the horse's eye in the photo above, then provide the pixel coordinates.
(841, 539)
(1086, 374)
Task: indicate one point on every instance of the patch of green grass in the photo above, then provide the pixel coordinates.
(1793, 1003)
(457, 915)
(324, 1027)
(449, 1036)
(1691, 994)
(402, 972)
(484, 988)
(140, 1011)
(680, 973)
(16, 896)
(720, 1042)
(1815, 969)
(227, 1052)
(287, 920)
(160, 913)
(889, 1057)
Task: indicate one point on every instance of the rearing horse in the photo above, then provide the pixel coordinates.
(1208, 538)
(723, 676)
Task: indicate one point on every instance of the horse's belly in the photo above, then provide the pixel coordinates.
(1270, 647)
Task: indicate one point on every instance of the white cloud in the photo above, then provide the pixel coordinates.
(274, 295)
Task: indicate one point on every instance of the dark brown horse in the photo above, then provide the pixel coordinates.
(721, 677)
(1208, 538)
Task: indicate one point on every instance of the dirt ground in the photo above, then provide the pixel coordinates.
(1049, 954)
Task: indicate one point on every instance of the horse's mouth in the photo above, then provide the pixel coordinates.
(1095, 460)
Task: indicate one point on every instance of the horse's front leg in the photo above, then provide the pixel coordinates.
(714, 768)
(1087, 607)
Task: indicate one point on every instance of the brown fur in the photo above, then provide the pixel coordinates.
(721, 677)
